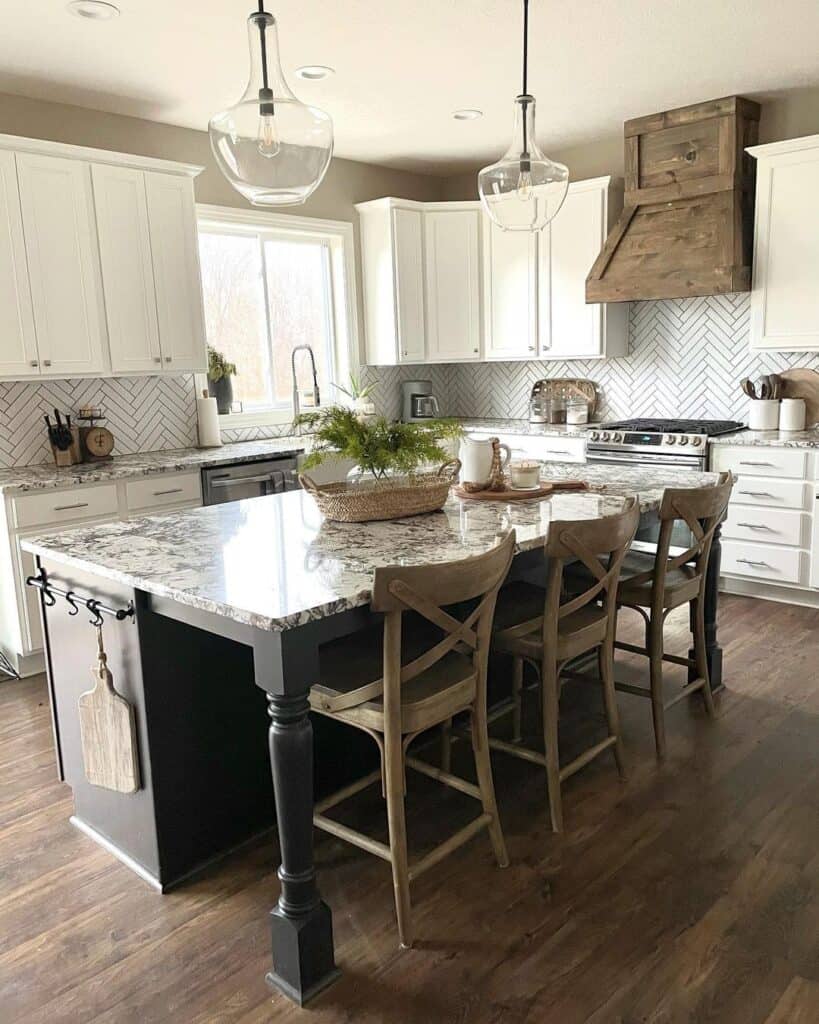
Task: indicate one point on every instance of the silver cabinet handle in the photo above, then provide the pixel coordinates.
(756, 463)
(756, 526)
(46, 362)
(228, 481)
(64, 508)
(758, 494)
(157, 359)
(554, 451)
(750, 561)
(34, 363)
(173, 490)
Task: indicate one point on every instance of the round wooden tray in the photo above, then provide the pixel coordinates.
(519, 494)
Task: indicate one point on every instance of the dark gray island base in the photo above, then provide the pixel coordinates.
(222, 602)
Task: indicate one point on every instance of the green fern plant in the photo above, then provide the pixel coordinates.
(378, 445)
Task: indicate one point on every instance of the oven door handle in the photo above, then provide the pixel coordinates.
(261, 478)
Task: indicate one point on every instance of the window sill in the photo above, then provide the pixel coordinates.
(269, 418)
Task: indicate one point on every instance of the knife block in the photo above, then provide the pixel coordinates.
(71, 456)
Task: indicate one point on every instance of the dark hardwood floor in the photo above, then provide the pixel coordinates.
(688, 894)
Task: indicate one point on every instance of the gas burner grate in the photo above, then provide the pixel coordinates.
(711, 428)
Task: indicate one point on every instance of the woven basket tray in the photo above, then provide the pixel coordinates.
(393, 498)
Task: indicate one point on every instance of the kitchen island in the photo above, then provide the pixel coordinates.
(216, 599)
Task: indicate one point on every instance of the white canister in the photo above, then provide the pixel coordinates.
(764, 414)
(792, 414)
(476, 459)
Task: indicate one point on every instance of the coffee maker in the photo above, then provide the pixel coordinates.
(418, 401)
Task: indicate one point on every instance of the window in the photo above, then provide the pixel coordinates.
(271, 283)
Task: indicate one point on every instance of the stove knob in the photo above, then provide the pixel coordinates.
(684, 439)
(606, 436)
(696, 440)
(617, 437)
(595, 435)
(670, 439)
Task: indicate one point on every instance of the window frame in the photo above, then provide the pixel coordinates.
(339, 237)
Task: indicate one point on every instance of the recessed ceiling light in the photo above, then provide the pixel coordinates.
(468, 114)
(315, 72)
(93, 10)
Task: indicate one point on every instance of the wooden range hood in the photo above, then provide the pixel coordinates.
(687, 224)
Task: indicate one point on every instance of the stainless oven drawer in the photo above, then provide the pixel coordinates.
(242, 480)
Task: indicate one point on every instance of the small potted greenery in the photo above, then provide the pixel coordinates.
(406, 467)
(359, 394)
(220, 383)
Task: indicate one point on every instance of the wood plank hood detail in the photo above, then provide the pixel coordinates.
(687, 224)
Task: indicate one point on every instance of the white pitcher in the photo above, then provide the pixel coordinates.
(476, 460)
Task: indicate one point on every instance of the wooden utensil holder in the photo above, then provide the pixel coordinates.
(71, 456)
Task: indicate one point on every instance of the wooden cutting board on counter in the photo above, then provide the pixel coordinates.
(803, 383)
(519, 494)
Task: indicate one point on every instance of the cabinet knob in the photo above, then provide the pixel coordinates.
(474, 350)
(531, 348)
(157, 359)
(167, 359)
(34, 363)
(46, 362)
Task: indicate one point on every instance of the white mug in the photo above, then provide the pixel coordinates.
(476, 459)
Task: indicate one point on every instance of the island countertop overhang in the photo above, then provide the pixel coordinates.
(274, 564)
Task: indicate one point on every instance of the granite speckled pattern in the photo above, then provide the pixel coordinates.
(274, 563)
(771, 438)
(39, 477)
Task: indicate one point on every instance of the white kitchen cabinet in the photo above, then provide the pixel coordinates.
(18, 344)
(510, 282)
(453, 280)
(785, 294)
(175, 255)
(392, 259)
(569, 327)
(63, 266)
(127, 268)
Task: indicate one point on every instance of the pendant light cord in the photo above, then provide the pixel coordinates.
(525, 151)
(263, 44)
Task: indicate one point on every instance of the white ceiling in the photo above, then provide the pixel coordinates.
(403, 66)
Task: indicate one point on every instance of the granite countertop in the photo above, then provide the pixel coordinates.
(771, 438)
(45, 475)
(524, 427)
(274, 563)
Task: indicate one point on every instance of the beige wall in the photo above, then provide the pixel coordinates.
(347, 182)
(786, 115)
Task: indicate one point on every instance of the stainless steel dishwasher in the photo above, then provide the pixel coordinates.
(255, 479)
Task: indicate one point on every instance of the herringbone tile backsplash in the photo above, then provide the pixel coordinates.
(686, 358)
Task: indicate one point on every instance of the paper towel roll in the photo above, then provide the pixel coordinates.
(208, 414)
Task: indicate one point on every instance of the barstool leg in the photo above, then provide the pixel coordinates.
(605, 660)
(446, 745)
(483, 767)
(655, 662)
(700, 654)
(517, 698)
(551, 704)
(394, 761)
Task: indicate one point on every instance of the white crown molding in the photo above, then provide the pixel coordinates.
(47, 147)
(786, 146)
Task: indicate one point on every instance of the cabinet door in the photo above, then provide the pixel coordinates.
(408, 270)
(510, 292)
(452, 248)
(18, 345)
(785, 296)
(63, 264)
(569, 327)
(127, 270)
(175, 256)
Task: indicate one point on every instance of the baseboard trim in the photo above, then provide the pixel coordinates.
(112, 848)
(26, 664)
(769, 591)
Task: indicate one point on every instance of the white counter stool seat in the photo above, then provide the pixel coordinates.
(654, 584)
(532, 624)
(424, 666)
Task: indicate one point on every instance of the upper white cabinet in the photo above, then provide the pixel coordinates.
(453, 278)
(99, 265)
(392, 258)
(489, 294)
(63, 266)
(172, 221)
(785, 292)
(569, 327)
(18, 341)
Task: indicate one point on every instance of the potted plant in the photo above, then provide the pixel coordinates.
(220, 384)
(406, 468)
(359, 394)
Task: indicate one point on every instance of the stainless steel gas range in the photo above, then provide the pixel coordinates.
(642, 442)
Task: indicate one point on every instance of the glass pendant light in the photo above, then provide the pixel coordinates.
(272, 148)
(525, 189)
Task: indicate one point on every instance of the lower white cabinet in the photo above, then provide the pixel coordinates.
(453, 282)
(546, 448)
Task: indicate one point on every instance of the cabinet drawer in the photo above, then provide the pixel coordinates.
(750, 461)
(547, 449)
(770, 493)
(773, 526)
(54, 507)
(761, 561)
(158, 491)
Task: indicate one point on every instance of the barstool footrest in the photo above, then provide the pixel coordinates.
(445, 848)
(586, 756)
(522, 752)
(448, 779)
(686, 691)
(350, 835)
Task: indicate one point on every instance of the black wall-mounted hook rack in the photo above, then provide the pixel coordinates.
(51, 592)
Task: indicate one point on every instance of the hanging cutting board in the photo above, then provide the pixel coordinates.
(108, 733)
(803, 383)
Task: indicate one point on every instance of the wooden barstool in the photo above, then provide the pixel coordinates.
(655, 583)
(400, 680)
(533, 625)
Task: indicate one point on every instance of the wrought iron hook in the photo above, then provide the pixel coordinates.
(93, 607)
(70, 599)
